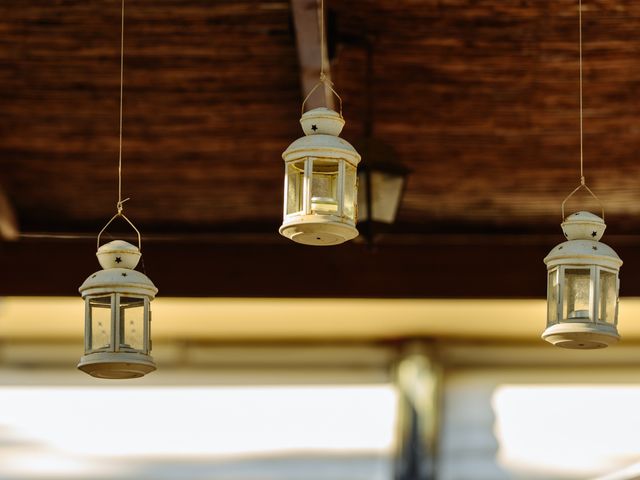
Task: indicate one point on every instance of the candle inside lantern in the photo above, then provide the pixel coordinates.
(324, 187)
(324, 205)
(578, 289)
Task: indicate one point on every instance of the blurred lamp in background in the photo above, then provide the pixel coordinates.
(320, 186)
(117, 315)
(381, 182)
(583, 284)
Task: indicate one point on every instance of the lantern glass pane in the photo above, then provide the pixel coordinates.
(350, 192)
(132, 323)
(100, 322)
(608, 297)
(324, 187)
(553, 290)
(576, 294)
(295, 181)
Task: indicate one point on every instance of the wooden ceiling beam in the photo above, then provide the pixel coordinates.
(463, 269)
(421, 266)
(306, 19)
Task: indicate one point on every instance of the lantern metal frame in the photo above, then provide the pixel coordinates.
(117, 360)
(309, 225)
(582, 252)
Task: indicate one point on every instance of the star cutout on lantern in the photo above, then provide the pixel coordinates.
(124, 274)
(314, 127)
(594, 234)
(118, 259)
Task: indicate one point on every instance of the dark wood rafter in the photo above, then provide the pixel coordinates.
(458, 266)
(479, 99)
(311, 52)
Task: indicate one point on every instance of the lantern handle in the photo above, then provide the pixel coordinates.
(120, 214)
(582, 185)
(323, 80)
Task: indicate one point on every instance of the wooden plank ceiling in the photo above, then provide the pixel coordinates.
(478, 98)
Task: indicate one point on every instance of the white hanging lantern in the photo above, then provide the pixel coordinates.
(320, 187)
(583, 286)
(117, 339)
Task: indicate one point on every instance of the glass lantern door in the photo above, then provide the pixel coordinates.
(608, 297)
(577, 294)
(325, 194)
(553, 297)
(99, 324)
(133, 335)
(350, 192)
(294, 187)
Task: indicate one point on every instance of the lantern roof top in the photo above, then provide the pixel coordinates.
(321, 127)
(321, 146)
(583, 252)
(118, 280)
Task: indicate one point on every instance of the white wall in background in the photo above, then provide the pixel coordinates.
(133, 431)
(542, 423)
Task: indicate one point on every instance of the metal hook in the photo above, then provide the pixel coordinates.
(323, 80)
(582, 185)
(120, 214)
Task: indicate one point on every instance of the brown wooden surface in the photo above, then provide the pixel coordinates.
(211, 97)
(478, 98)
(452, 266)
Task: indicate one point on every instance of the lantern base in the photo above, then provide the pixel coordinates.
(118, 365)
(318, 231)
(581, 336)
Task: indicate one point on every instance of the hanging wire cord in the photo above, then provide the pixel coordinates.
(120, 203)
(120, 200)
(583, 183)
(323, 80)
